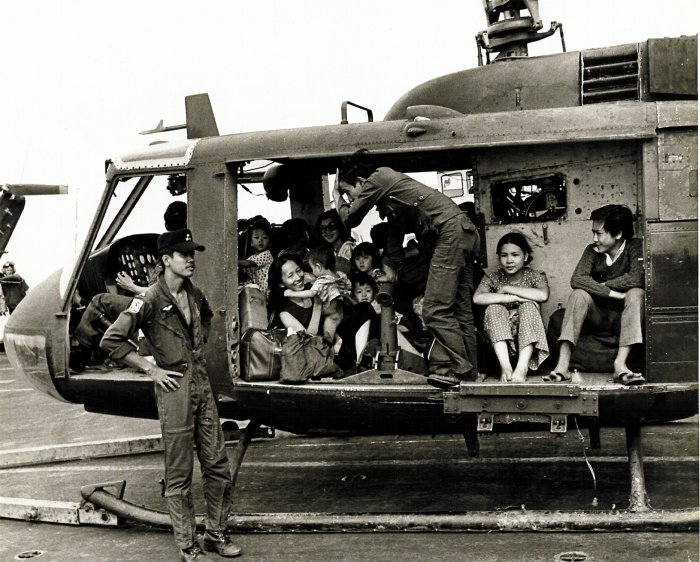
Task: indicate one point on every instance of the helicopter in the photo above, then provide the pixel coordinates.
(535, 143)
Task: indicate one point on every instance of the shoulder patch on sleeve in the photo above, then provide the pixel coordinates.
(135, 306)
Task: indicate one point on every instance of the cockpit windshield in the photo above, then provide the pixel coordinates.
(149, 196)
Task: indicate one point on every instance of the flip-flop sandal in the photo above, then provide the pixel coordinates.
(556, 377)
(627, 378)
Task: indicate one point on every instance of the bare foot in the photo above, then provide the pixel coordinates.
(506, 376)
(557, 376)
(519, 377)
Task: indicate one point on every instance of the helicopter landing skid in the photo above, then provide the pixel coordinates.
(515, 520)
(639, 516)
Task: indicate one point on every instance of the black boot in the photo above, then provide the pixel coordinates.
(192, 554)
(220, 542)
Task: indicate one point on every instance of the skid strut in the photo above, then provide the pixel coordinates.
(639, 501)
(550, 404)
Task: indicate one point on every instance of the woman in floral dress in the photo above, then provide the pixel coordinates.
(512, 296)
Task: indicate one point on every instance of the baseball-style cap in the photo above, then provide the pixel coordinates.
(178, 240)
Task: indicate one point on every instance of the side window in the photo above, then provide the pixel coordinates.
(529, 199)
(252, 199)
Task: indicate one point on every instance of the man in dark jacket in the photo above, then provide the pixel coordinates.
(410, 206)
(608, 289)
(175, 317)
(13, 286)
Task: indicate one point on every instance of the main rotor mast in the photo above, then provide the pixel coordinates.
(509, 31)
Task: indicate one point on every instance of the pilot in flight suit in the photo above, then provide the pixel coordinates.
(175, 317)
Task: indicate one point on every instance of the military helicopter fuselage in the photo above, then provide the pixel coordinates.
(536, 143)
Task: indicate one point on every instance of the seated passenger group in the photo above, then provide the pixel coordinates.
(608, 295)
(436, 270)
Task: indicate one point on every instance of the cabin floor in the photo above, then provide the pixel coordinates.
(590, 380)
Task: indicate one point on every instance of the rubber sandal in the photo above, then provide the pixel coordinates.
(556, 377)
(627, 378)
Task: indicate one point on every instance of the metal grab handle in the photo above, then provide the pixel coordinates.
(344, 112)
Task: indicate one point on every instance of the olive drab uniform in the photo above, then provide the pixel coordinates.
(410, 206)
(188, 415)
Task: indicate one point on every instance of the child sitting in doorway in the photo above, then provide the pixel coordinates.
(258, 255)
(512, 296)
(364, 322)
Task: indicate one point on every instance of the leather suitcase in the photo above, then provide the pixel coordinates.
(252, 310)
(261, 354)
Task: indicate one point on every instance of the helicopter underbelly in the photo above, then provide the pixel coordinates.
(341, 406)
(386, 409)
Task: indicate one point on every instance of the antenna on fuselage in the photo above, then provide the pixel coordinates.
(509, 32)
(159, 128)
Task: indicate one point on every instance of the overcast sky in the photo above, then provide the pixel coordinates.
(83, 77)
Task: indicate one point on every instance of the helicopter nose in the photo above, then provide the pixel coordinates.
(35, 337)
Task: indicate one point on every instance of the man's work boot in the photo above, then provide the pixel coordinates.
(446, 378)
(220, 542)
(446, 381)
(193, 554)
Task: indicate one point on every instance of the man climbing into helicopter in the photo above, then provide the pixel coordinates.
(175, 317)
(608, 292)
(410, 206)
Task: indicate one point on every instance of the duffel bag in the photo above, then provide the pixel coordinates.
(305, 357)
(261, 354)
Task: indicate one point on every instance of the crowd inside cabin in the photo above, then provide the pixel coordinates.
(292, 266)
(513, 339)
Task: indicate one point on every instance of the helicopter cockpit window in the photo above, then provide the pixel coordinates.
(138, 205)
(529, 200)
(126, 242)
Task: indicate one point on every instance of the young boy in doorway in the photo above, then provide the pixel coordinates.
(258, 254)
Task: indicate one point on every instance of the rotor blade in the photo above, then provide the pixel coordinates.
(25, 189)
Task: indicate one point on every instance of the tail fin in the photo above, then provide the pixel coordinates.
(200, 117)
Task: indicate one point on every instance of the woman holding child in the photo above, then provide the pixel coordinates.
(295, 310)
(292, 312)
(512, 296)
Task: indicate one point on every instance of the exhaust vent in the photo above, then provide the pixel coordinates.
(610, 75)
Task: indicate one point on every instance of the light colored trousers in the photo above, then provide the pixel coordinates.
(582, 309)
